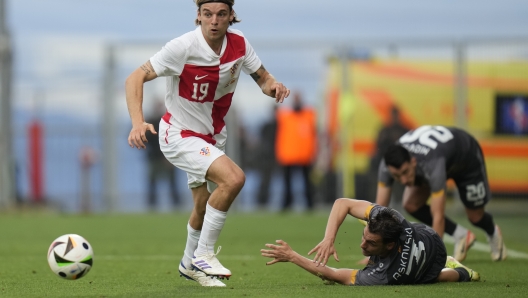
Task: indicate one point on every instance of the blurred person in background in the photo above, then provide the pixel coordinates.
(388, 135)
(423, 160)
(296, 147)
(324, 173)
(267, 161)
(202, 68)
(158, 166)
(400, 252)
(18, 193)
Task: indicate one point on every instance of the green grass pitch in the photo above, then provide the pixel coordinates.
(137, 255)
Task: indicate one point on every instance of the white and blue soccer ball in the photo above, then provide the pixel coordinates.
(70, 256)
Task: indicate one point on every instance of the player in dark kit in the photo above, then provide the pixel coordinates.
(423, 160)
(400, 252)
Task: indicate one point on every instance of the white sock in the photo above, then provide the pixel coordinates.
(213, 223)
(192, 243)
(460, 232)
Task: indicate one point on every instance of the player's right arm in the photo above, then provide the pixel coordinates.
(282, 252)
(340, 209)
(383, 194)
(384, 188)
(134, 98)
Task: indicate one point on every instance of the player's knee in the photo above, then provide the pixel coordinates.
(410, 207)
(233, 182)
(237, 181)
(475, 215)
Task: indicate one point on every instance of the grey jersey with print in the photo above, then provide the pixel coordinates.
(411, 261)
(440, 152)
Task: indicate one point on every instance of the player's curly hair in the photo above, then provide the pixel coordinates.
(387, 224)
(229, 3)
(396, 155)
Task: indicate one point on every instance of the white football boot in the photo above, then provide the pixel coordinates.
(200, 277)
(497, 247)
(210, 265)
(462, 246)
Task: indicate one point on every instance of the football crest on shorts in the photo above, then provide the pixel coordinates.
(205, 151)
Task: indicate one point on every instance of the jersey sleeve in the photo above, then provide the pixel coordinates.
(170, 60)
(383, 175)
(251, 62)
(436, 174)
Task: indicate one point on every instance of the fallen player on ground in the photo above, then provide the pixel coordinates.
(400, 252)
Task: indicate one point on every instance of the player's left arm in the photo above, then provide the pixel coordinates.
(282, 252)
(437, 181)
(340, 209)
(269, 84)
(438, 211)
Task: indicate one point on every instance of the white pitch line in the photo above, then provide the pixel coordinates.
(484, 247)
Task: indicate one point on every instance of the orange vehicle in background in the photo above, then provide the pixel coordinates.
(424, 93)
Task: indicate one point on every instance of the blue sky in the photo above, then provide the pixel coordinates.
(337, 18)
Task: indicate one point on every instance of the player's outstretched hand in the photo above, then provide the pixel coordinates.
(137, 137)
(279, 91)
(279, 253)
(323, 251)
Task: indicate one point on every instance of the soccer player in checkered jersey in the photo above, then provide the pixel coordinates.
(202, 68)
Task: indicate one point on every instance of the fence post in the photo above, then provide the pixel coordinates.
(109, 132)
(460, 84)
(7, 169)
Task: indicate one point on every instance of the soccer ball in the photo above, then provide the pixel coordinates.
(70, 256)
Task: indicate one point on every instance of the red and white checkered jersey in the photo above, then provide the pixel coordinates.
(200, 83)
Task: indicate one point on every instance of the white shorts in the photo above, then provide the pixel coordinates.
(190, 154)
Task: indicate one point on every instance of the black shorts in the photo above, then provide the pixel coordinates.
(439, 261)
(472, 184)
